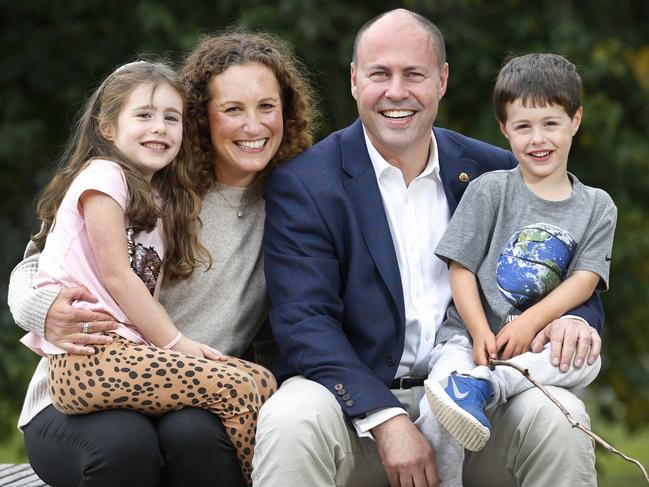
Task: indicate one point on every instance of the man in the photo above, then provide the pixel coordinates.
(358, 295)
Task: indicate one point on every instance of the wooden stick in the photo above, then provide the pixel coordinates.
(573, 423)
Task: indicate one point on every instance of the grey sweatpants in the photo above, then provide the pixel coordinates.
(508, 384)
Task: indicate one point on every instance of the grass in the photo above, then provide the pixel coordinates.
(612, 470)
(12, 449)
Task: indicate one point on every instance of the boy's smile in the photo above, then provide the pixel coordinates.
(540, 138)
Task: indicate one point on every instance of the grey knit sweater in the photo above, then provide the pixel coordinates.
(224, 306)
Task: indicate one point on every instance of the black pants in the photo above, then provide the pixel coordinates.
(124, 448)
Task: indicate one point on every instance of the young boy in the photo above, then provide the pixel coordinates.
(524, 247)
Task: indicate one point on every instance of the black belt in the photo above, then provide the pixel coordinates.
(407, 382)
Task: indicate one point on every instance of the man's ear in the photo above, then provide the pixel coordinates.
(443, 80)
(352, 73)
(106, 129)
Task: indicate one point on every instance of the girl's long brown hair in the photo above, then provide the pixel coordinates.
(179, 204)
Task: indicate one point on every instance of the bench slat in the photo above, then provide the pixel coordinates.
(21, 475)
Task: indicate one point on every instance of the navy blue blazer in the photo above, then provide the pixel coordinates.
(331, 269)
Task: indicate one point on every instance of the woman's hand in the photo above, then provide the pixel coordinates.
(64, 323)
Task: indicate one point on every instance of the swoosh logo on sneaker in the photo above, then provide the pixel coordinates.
(456, 391)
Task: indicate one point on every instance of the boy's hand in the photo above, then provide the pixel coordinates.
(514, 338)
(484, 347)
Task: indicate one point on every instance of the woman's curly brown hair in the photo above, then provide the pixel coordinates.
(217, 52)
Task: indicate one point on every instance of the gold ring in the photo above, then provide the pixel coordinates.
(85, 327)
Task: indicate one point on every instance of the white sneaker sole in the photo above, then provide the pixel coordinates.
(466, 429)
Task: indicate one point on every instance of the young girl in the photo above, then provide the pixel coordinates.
(120, 212)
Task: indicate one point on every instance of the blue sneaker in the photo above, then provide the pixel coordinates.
(458, 404)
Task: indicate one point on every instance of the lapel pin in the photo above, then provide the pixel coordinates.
(464, 177)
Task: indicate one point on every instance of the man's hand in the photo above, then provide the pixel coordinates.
(406, 455)
(569, 338)
(64, 323)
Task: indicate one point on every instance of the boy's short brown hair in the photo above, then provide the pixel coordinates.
(538, 78)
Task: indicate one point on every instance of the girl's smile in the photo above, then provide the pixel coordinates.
(149, 127)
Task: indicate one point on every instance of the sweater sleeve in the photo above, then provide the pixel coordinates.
(28, 305)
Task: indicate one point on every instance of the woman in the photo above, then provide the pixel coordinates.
(249, 109)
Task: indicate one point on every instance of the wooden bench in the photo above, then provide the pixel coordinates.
(21, 475)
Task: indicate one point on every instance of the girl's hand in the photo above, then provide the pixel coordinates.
(212, 353)
(484, 347)
(197, 349)
(188, 346)
(515, 338)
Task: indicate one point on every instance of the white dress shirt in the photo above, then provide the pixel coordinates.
(417, 215)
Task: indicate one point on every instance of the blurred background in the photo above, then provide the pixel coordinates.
(54, 53)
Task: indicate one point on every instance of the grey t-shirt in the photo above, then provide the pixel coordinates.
(521, 246)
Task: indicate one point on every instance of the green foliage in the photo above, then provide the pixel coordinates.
(613, 471)
(53, 57)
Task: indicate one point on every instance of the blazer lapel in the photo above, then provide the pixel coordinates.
(363, 190)
(456, 172)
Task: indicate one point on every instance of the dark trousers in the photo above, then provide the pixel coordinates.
(124, 448)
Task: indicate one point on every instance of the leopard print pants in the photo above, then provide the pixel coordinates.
(154, 381)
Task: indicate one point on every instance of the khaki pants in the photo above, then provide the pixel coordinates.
(303, 440)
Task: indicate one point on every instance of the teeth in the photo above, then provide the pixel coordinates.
(397, 113)
(251, 144)
(155, 146)
(541, 154)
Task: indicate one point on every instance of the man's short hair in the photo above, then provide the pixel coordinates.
(539, 79)
(428, 26)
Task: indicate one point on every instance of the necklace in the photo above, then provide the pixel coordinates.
(232, 207)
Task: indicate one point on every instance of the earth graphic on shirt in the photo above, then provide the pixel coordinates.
(533, 262)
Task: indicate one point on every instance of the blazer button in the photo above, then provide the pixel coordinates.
(349, 403)
(338, 387)
(390, 361)
(346, 397)
(341, 392)
(464, 177)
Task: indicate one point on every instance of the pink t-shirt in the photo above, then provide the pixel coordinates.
(68, 259)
